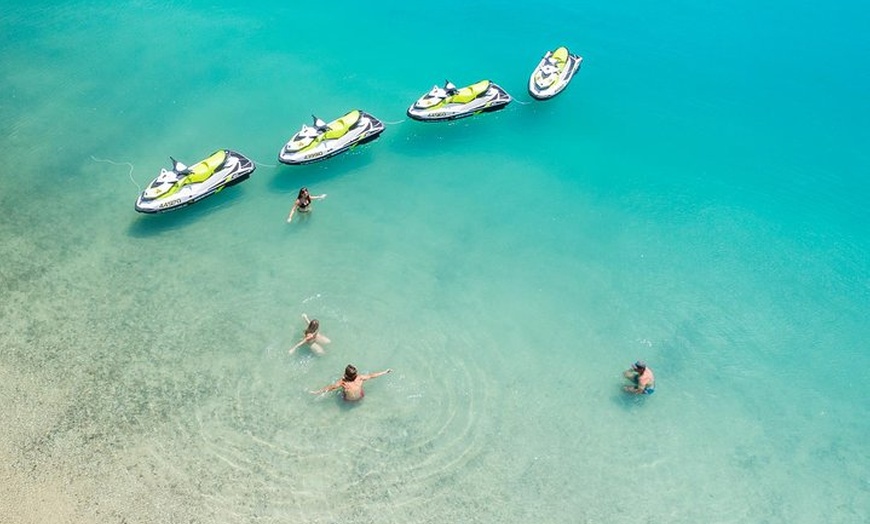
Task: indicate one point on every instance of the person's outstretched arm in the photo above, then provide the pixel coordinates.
(307, 338)
(318, 197)
(375, 375)
(327, 389)
(292, 211)
(294, 348)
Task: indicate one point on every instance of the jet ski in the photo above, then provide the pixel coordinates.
(552, 75)
(182, 185)
(322, 140)
(448, 102)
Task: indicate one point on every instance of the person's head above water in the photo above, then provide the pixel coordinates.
(350, 373)
(639, 366)
(313, 326)
(303, 192)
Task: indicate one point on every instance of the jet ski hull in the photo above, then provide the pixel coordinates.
(234, 169)
(494, 99)
(366, 129)
(541, 92)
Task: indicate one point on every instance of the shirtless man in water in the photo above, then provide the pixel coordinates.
(351, 383)
(643, 378)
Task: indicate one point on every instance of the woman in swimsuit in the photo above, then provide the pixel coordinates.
(303, 202)
(351, 383)
(311, 336)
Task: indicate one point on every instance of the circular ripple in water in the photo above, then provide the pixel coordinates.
(264, 446)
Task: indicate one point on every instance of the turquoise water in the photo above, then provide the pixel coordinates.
(696, 198)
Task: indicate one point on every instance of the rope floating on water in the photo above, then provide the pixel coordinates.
(263, 164)
(130, 174)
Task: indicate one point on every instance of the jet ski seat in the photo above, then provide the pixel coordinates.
(340, 126)
(204, 169)
(469, 93)
(560, 57)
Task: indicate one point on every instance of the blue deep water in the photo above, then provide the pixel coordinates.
(696, 198)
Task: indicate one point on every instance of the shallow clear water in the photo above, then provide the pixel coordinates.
(695, 198)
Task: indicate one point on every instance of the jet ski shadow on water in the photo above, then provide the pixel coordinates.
(167, 223)
(553, 73)
(184, 185)
(322, 140)
(450, 102)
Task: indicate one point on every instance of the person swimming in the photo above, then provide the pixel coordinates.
(312, 336)
(351, 383)
(642, 377)
(303, 202)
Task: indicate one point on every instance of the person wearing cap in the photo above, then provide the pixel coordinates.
(644, 382)
(351, 383)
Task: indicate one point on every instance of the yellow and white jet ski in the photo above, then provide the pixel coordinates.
(450, 102)
(322, 140)
(184, 185)
(553, 73)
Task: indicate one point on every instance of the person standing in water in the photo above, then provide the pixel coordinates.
(303, 202)
(351, 383)
(312, 336)
(644, 382)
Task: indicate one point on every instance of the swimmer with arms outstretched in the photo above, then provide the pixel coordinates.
(312, 336)
(303, 202)
(351, 383)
